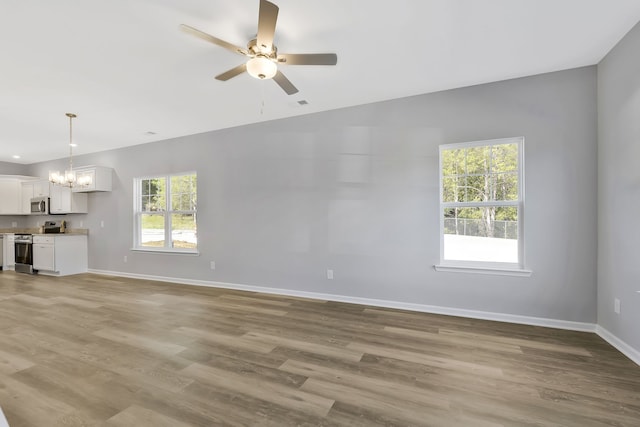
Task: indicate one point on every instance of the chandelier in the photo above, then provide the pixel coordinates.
(69, 178)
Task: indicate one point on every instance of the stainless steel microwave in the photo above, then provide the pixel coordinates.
(40, 206)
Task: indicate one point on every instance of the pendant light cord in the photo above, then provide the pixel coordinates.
(71, 116)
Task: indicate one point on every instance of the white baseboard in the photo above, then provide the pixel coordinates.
(620, 345)
(474, 314)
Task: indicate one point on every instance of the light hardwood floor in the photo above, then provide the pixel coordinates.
(92, 350)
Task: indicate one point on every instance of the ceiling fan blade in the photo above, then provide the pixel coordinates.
(267, 25)
(232, 72)
(285, 84)
(308, 58)
(214, 40)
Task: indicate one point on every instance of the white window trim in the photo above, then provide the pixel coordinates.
(137, 212)
(480, 267)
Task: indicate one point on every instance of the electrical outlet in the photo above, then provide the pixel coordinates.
(101, 224)
(213, 265)
(616, 305)
(81, 224)
(330, 274)
(125, 258)
(14, 224)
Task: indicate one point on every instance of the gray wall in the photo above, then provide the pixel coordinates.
(619, 189)
(356, 190)
(7, 168)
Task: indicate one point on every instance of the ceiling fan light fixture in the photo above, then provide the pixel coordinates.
(261, 67)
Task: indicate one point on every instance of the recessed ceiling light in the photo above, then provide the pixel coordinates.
(73, 145)
(303, 102)
(150, 132)
(15, 156)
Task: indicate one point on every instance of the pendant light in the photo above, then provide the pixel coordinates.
(69, 178)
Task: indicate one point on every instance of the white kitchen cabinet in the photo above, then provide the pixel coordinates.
(100, 176)
(60, 255)
(63, 200)
(27, 195)
(31, 189)
(10, 195)
(9, 252)
(41, 188)
(44, 253)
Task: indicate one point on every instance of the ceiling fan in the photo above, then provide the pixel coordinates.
(263, 54)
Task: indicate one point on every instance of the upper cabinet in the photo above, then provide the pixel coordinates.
(63, 201)
(99, 177)
(27, 195)
(10, 195)
(16, 192)
(41, 188)
(30, 189)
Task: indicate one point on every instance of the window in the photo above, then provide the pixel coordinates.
(165, 213)
(481, 204)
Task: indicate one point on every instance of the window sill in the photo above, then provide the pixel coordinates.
(166, 251)
(484, 270)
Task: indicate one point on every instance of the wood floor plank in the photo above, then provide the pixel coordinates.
(139, 341)
(29, 404)
(287, 397)
(135, 415)
(395, 411)
(453, 340)
(324, 350)
(390, 389)
(560, 348)
(419, 358)
(11, 363)
(228, 340)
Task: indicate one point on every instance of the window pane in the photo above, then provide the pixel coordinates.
(153, 195)
(504, 186)
(453, 189)
(183, 193)
(477, 160)
(481, 234)
(504, 158)
(183, 231)
(477, 188)
(453, 162)
(152, 230)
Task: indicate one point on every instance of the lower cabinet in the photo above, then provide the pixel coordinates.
(9, 252)
(44, 254)
(60, 255)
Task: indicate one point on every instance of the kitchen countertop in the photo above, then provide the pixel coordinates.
(36, 231)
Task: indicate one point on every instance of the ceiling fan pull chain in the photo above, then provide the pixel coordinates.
(262, 96)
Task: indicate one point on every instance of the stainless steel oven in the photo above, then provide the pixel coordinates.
(24, 253)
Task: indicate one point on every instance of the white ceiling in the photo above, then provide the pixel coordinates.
(125, 68)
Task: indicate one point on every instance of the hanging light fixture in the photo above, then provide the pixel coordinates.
(262, 67)
(69, 178)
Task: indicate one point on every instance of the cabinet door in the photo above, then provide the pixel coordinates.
(60, 201)
(87, 174)
(100, 179)
(10, 197)
(44, 257)
(9, 251)
(27, 194)
(63, 201)
(41, 188)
